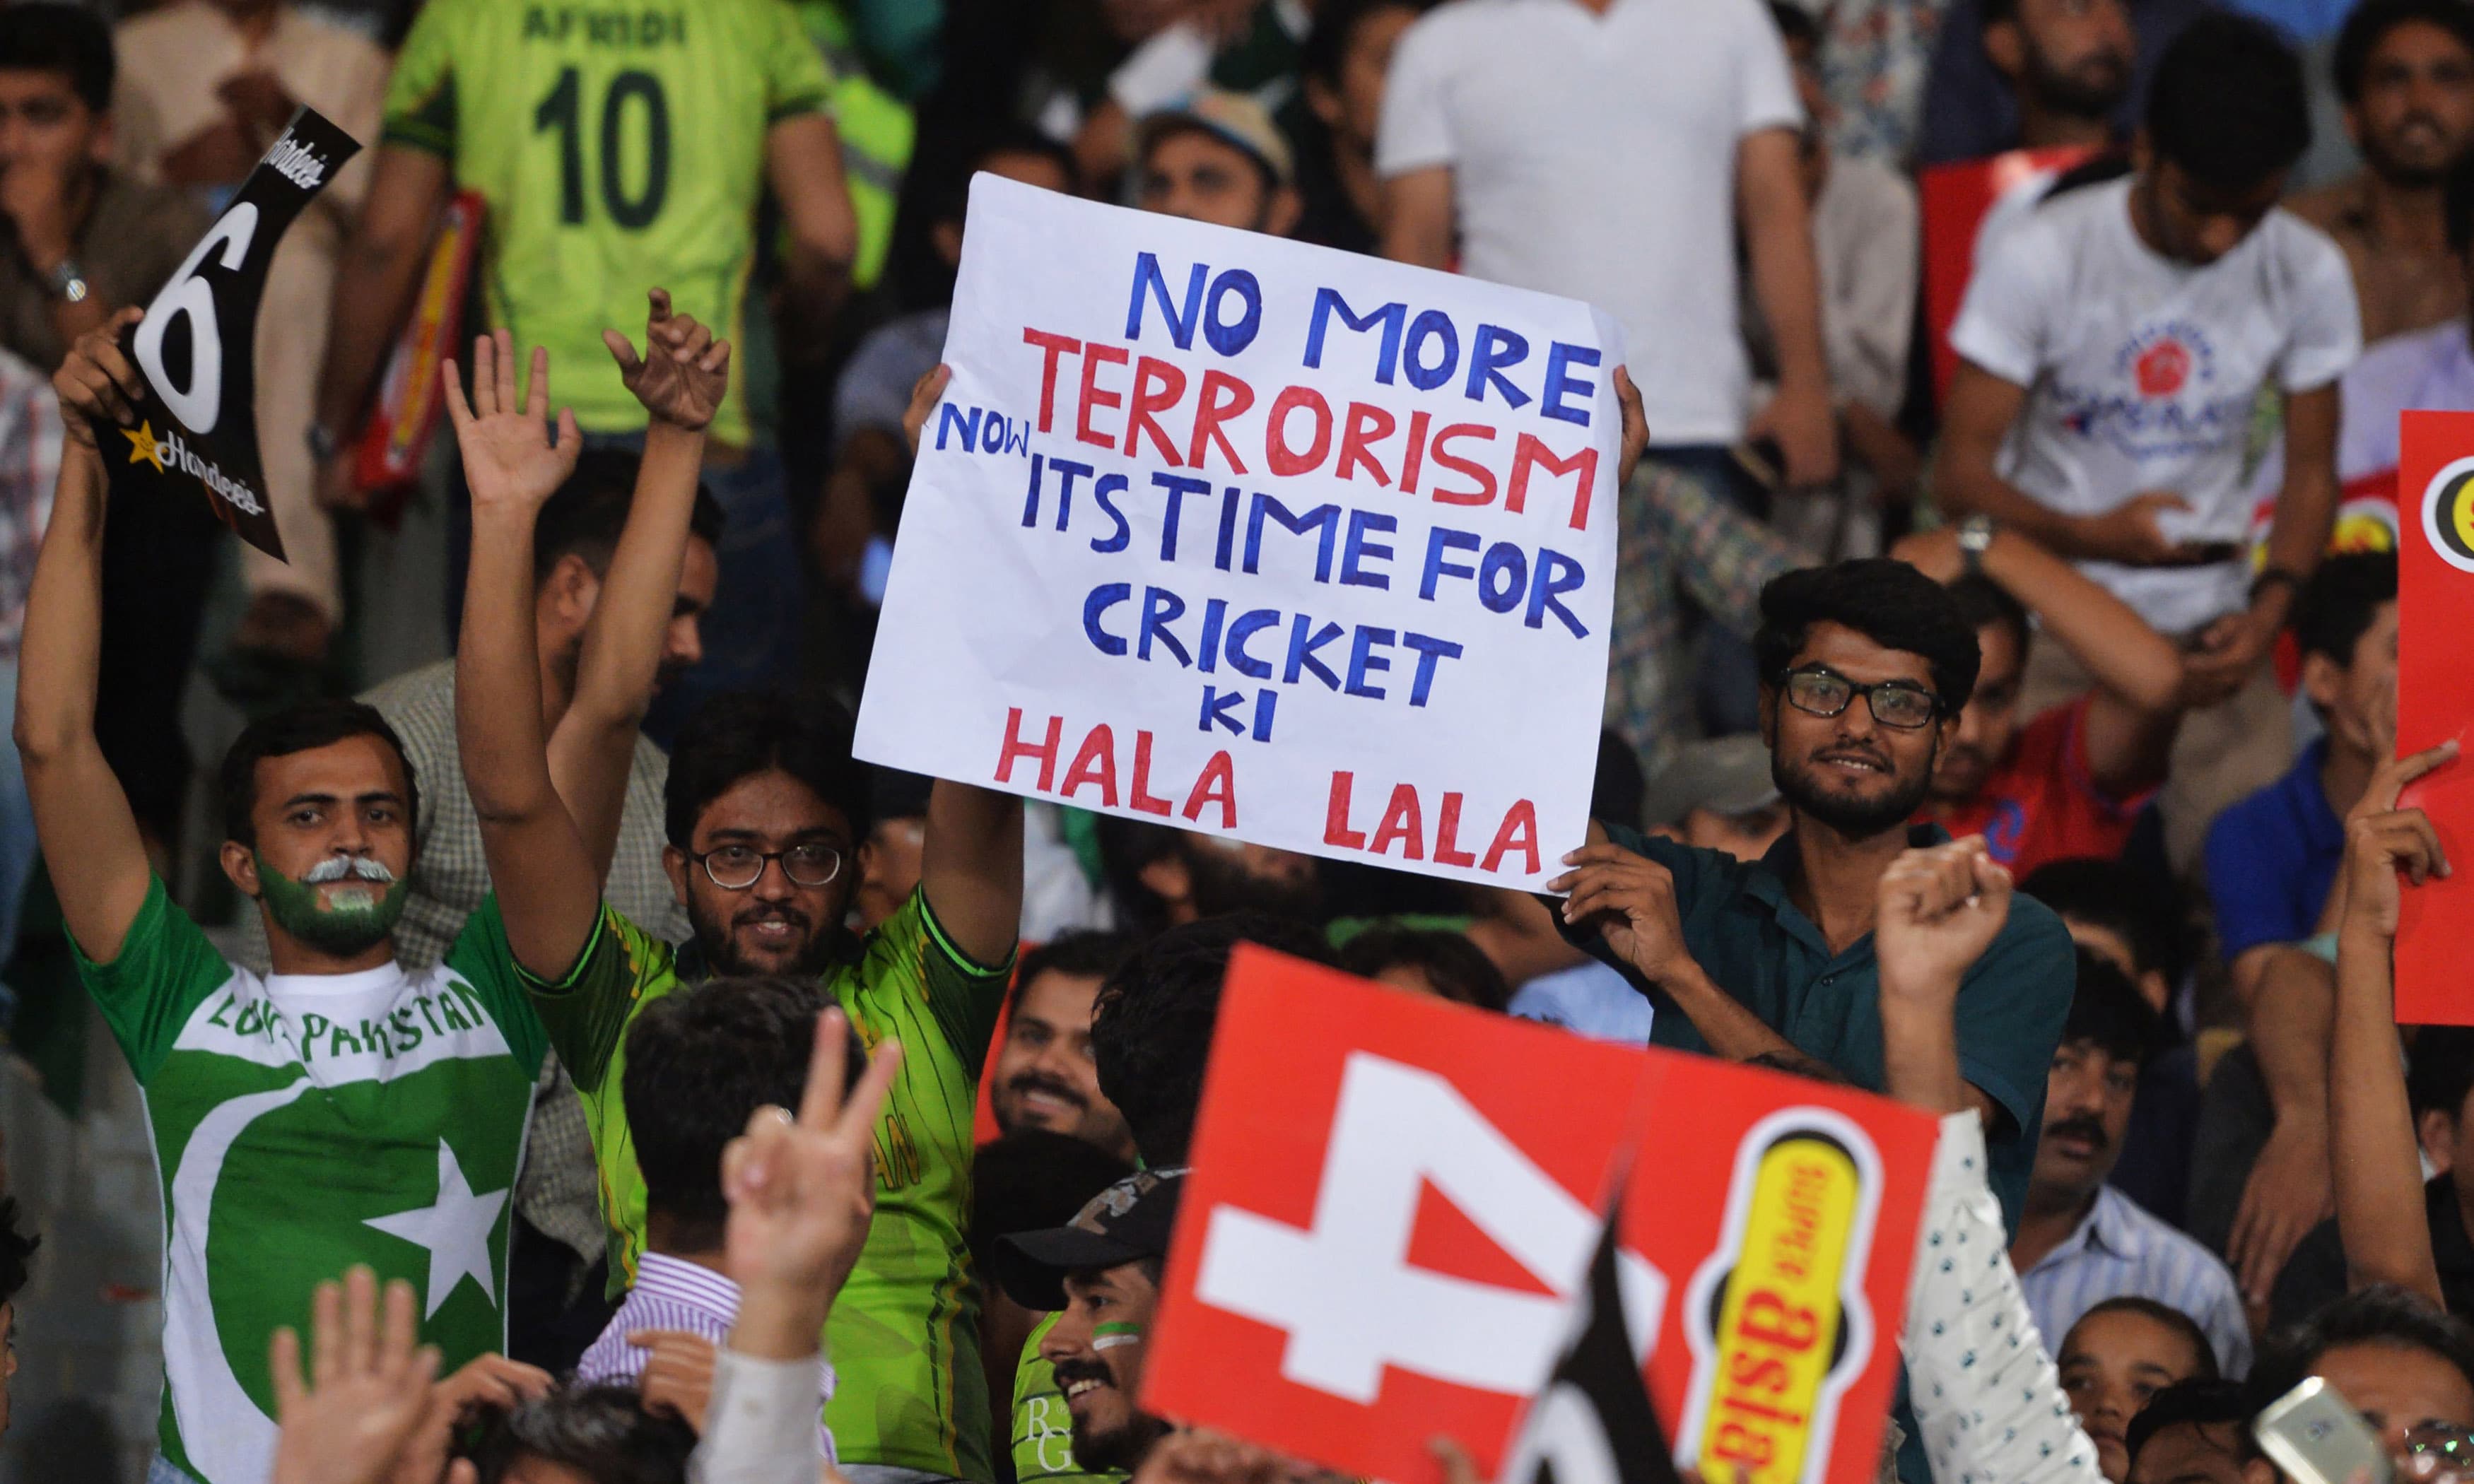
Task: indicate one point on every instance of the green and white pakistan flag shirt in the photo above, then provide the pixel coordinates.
(304, 1123)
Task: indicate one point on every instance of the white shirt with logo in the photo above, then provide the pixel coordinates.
(2141, 371)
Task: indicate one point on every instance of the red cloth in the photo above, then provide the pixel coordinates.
(2041, 803)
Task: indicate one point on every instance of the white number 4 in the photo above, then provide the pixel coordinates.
(1346, 1291)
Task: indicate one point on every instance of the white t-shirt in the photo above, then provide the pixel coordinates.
(1595, 156)
(2141, 371)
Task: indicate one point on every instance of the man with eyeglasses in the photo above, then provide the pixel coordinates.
(1864, 667)
(764, 808)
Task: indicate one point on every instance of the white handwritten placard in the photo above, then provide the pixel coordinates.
(1257, 539)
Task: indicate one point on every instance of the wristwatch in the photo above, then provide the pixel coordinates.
(1975, 538)
(68, 281)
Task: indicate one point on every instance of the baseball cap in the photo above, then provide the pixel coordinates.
(1723, 774)
(1234, 119)
(1129, 1221)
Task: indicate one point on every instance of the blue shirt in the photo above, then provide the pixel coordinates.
(2272, 858)
(1754, 943)
(2120, 1251)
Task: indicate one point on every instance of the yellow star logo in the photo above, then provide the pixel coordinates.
(143, 449)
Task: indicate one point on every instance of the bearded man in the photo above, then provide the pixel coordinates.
(1866, 667)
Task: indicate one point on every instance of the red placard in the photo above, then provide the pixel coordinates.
(1953, 199)
(2434, 653)
(1393, 1196)
(396, 442)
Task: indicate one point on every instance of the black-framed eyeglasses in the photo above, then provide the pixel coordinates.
(734, 867)
(1821, 691)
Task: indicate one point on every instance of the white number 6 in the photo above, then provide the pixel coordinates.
(200, 404)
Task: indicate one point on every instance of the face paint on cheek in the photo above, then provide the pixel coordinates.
(1115, 1337)
(354, 924)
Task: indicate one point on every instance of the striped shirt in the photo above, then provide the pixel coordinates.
(671, 1294)
(2120, 1250)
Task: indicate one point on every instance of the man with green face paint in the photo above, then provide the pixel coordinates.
(340, 1109)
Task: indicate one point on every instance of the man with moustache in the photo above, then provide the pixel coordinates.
(2039, 74)
(2405, 69)
(1865, 668)
(1043, 1076)
(1100, 1275)
(2081, 1241)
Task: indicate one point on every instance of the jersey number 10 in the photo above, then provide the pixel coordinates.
(562, 110)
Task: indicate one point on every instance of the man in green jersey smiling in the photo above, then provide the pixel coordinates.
(766, 808)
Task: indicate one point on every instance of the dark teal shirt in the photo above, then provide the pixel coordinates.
(1754, 943)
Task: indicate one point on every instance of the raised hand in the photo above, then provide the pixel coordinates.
(98, 384)
(801, 1192)
(924, 394)
(2381, 840)
(684, 373)
(1936, 910)
(509, 460)
(368, 1390)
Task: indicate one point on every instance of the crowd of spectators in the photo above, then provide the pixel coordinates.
(2002, 713)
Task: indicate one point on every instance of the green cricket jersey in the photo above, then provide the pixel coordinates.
(303, 1123)
(904, 1334)
(1043, 1427)
(619, 148)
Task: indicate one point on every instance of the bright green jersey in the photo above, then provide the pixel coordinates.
(303, 1123)
(1043, 1427)
(904, 1334)
(619, 148)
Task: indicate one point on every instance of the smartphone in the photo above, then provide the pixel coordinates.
(2316, 1437)
(1761, 459)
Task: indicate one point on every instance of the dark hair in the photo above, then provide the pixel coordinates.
(2382, 1314)
(2228, 104)
(739, 736)
(300, 729)
(950, 199)
(2439, 1070)
(1335, 25)
(2107, 1013)
(700, 1062)
(602, 1433)
(1888, 602)
(1992, 13)
(1983, 603)
(1795, 24)
(1086, 954)
(65, 38)
(2196, 1402)
(2104, 894)
(17, 1249)
(2335, 608)
(1151, 1026)
(2371, 21)
(1454, 966)
(583, 517)
(1034, 1179)
(2457, 205)
(2166, 1315)
(1620, 791)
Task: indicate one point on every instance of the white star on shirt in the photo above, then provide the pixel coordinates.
(456, 1230)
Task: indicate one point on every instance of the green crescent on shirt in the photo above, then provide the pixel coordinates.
(303, 1123)
(904, 1334)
